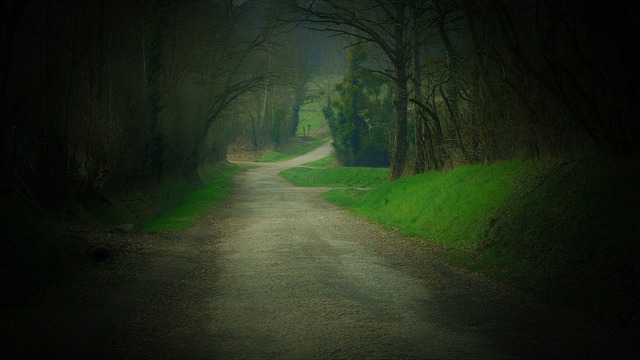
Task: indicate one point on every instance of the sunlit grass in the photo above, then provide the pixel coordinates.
(311, 117)
(337, 176)
(452, 210)
(449, 207)
(550, 225)
(310, 122)
(324, 162)
(194, 204)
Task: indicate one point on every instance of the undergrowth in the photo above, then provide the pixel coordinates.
(164, 199)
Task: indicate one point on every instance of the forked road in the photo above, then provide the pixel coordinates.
(295, 282)
(276, 272)
(298, 278)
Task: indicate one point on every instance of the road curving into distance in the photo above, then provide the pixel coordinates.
(276, 272)
(294, 282)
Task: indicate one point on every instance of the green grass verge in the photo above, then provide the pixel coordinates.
(448, 207)
(564, 229)
(194, 204)
(323, 163)
(34, 254)
(162, 201)
(336, 176)
(294, 148)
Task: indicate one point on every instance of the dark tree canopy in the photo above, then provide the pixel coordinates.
(105, 94)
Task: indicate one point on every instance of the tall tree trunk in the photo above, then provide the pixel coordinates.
(419, 118)
(452, 94)
(484, 85)
(153, 69)
(399, 151)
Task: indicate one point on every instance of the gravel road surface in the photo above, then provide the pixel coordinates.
(295, 282)
(276, 272)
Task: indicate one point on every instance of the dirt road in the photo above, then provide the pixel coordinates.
(275, 272)
(295, 282)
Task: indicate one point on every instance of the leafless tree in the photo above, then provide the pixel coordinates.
(385, 24)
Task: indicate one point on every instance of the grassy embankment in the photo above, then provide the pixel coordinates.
(170, 203)
(324, 173)
(174, 203)
(562, 229)
(192, 204)
(34, 254)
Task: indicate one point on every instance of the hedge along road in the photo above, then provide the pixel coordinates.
(276, 272)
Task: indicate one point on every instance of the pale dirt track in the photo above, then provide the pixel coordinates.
(276, 272)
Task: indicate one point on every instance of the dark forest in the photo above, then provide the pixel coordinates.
(102, 99)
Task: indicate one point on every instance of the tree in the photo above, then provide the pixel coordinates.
(573, 55)
(361, 116)
(384, 24)
(103, 95)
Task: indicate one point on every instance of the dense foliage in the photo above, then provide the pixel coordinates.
(481, 81)
(101, 96)
(360, 120)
